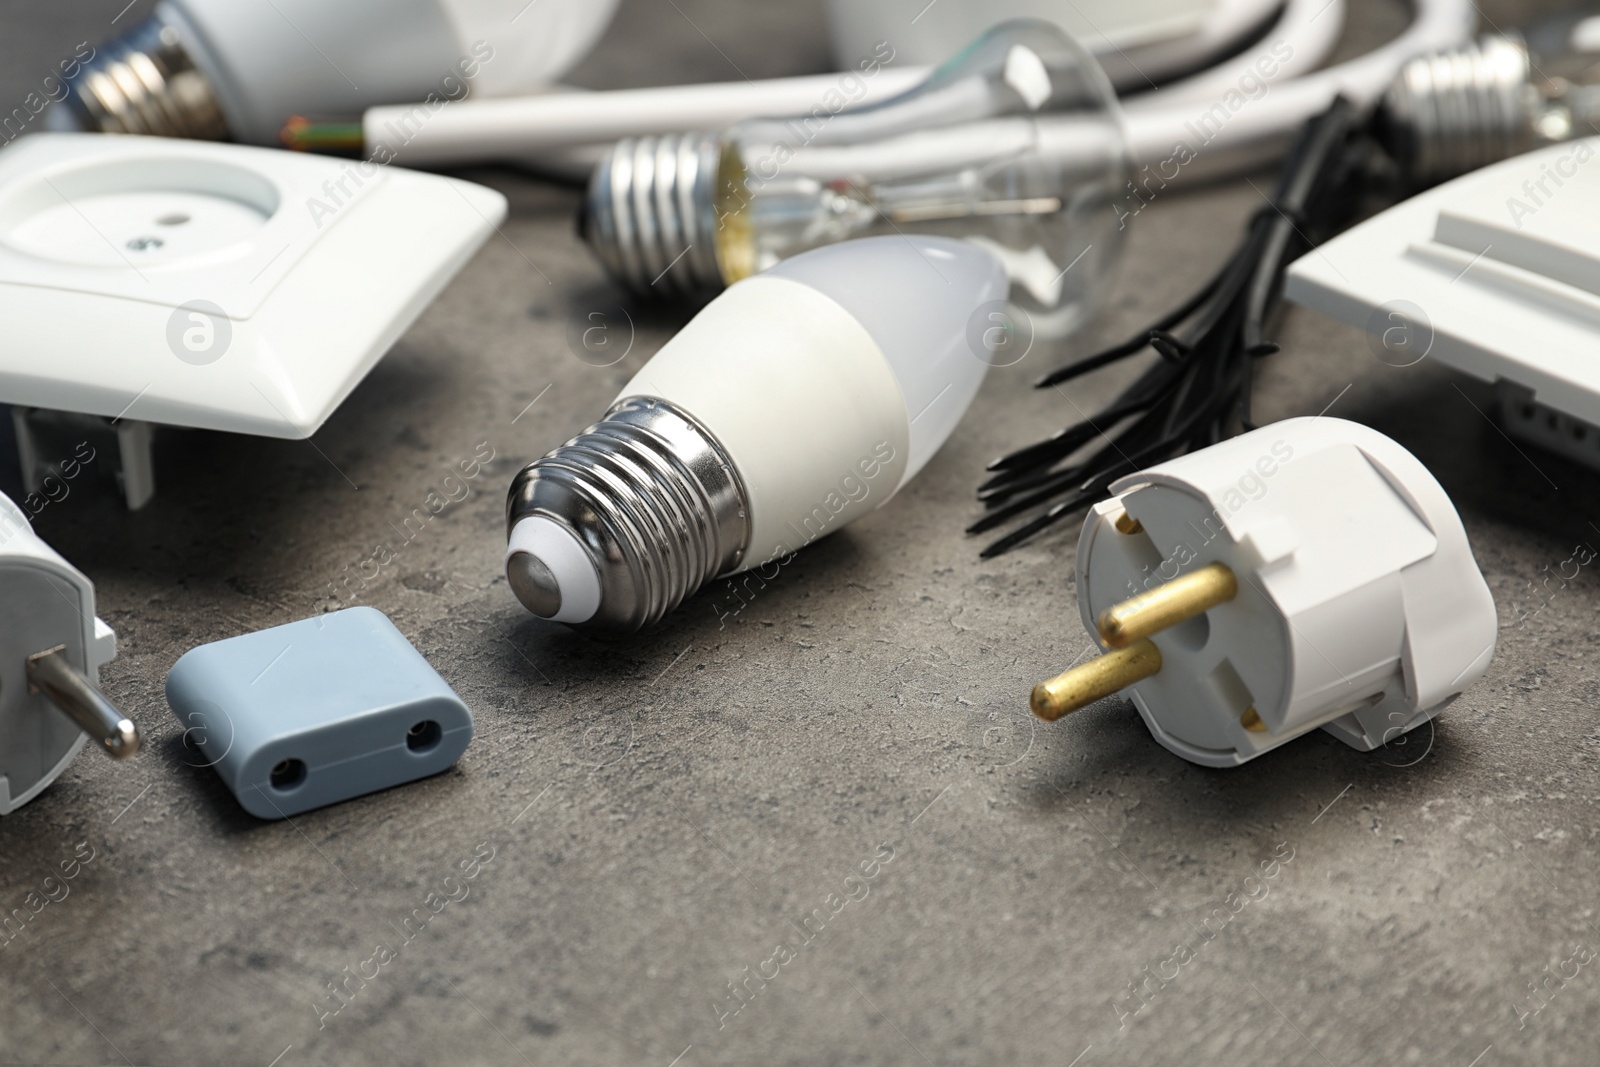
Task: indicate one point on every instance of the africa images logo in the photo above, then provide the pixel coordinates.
(199, 332)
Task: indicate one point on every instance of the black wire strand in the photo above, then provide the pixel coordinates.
(1197, 391)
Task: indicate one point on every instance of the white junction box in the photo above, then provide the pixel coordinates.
(1496, 274)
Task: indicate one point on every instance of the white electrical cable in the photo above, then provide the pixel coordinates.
(1226, 29)
(524, 127)
(1139, 43)
(529, 127)
(1228, 26)
(1258, 129)
(1219, 118)
(1305, 33)
(564, 131)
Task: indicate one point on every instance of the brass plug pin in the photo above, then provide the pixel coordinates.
(1167, 605)
(1100, 677)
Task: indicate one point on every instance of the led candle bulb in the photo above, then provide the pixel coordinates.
(231, 70)
(793, 404)
(1016, 143)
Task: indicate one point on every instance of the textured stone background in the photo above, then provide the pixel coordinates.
(665, 811)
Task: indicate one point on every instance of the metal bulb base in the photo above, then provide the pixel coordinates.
(146, 82)
(650, 215)
(1453, 112)
(653, 499)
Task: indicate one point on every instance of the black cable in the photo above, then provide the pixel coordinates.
(1197, 392)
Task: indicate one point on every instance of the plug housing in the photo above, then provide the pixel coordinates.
(1355, 604)
(46, 612)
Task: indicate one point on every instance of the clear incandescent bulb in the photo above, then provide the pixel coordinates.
(1016, 143)
(240, 69)
(791, 405)
(1458, 110)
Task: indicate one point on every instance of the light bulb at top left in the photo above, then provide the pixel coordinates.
(231, 70)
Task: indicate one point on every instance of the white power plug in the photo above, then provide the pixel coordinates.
(51, 650)
(1308, 573)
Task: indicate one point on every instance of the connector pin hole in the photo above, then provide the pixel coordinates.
(287, 774)
(424, 736)
(1127, 524)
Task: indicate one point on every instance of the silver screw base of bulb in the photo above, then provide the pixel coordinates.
(654, 500)
(650, 215)
(146, 82)
(1456, 111)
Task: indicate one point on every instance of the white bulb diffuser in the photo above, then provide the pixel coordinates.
(230, 70)
(793, 404)
(1016, 143)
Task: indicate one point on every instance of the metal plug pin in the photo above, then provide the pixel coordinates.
(1127, 628)
(1100, 677)
(1167, 605)
(51, 673)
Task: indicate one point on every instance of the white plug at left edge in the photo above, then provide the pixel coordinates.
(51, 650)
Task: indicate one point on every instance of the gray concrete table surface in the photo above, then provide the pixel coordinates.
(672, 817)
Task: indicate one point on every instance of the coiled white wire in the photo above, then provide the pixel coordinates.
(564, 132)
(1262, 126)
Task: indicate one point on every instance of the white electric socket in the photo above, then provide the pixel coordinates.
(214, 285)
(1359, 608)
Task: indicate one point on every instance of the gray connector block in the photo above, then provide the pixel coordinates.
(313, 712)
